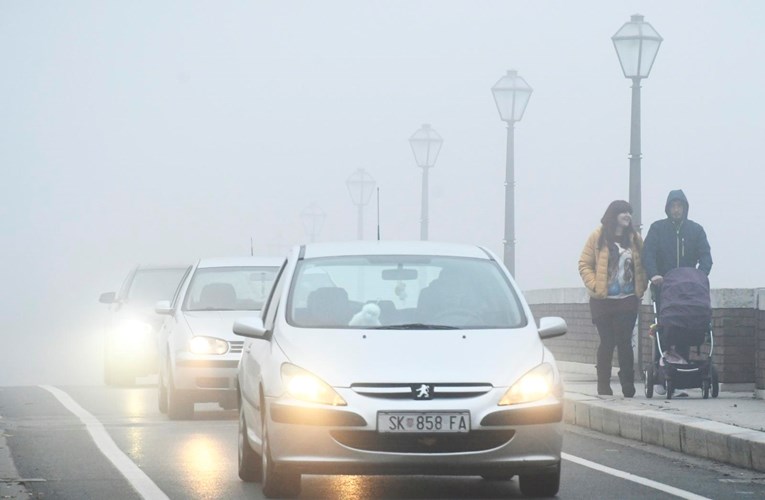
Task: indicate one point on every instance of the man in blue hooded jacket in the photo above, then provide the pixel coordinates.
(674, 242)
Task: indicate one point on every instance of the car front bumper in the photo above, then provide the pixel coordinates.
(205, 377)
(344, 440)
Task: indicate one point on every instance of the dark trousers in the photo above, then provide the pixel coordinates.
(615, 330)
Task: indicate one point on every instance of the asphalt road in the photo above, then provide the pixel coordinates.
(64, 455)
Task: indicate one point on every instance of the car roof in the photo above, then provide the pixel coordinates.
(313, 250)
(240, 262)
(157, 267)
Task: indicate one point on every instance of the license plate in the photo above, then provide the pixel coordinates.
(423, 421)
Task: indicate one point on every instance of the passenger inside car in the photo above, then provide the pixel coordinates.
(451, 290)
(218, 296)
(329, 306)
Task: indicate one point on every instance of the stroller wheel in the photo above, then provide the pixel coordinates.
(649, 381)
(714, 382)
(670, 389)
(705, 388)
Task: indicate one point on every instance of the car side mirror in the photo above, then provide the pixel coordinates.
(250, 327)
(552, 326)
(107, 298)
(163, 307)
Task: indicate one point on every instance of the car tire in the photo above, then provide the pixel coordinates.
(545, 483)
(250, 463)
(179, 406)
(278, 480)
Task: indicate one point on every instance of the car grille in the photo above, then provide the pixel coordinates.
(423, 443)
(408, 391)
(235, 346)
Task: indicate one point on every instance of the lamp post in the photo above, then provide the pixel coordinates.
(425, 143)
(511, 94)
(637, 44)
(360, 186)
(313, 217)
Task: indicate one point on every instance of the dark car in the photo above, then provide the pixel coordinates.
(130, 344)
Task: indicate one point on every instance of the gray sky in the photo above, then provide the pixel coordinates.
(137, 132)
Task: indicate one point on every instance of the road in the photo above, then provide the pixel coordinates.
(99, 442)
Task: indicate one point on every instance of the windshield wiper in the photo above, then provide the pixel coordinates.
(416, 326)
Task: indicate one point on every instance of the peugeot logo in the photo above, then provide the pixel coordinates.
(422, 391)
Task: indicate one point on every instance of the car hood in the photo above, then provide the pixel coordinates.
(215, 323)
(342, 358)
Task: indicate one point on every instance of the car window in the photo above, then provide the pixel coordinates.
(243, 288)
(402, 291)
(149, 286)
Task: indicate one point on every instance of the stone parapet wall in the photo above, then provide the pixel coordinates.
(759, 360)
(738, 325)
(581, 341)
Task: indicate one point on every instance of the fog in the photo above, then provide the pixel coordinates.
(161, 132)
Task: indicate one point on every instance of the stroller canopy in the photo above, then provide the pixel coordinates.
(684, 300)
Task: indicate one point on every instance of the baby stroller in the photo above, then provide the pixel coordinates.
(683, 321)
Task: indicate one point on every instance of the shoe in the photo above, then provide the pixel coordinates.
(605, 391)
(681, 394)
(659, 389)
(628, 391)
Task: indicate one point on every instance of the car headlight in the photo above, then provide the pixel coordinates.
(131, 334)
(537, 384)
(305, 386)
(208, 345)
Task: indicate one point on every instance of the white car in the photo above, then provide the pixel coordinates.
(198, 352)
(130, 340)
(408, 358)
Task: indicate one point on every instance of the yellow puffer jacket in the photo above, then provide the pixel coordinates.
(593, 266)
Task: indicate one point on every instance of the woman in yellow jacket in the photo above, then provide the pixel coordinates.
(611, 270)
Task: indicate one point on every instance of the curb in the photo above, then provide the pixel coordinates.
(690, 435)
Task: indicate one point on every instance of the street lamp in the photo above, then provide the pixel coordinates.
(637, 44)
(313, 217)
(360, 186)
(426, 143)
(511, 93)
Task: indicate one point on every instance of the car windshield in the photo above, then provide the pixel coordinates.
(152, 285)
(402, 292)
(229, 288)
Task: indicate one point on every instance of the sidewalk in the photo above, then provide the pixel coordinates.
(729, 429)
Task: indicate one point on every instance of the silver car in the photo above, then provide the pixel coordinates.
(199, 353)
(130, 341)
(404, 358)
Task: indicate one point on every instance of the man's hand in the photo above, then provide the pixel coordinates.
(657, 280)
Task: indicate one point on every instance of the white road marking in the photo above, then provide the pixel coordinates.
(134, 475)
(635, 479)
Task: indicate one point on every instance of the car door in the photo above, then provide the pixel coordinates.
(169, 323)
(256, 351)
